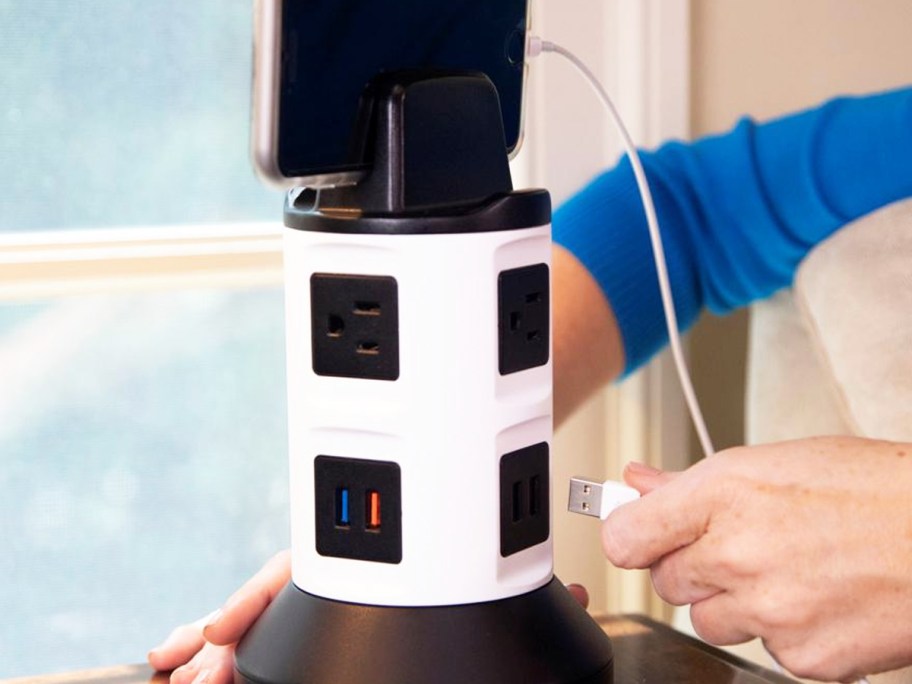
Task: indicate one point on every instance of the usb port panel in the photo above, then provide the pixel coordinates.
(358, 509)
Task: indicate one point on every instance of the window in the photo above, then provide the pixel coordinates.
(142, 399)
(119, 113)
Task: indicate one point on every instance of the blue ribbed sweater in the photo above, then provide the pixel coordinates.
(738, 211)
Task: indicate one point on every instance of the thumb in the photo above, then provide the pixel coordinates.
(645, 478)
(674, 513)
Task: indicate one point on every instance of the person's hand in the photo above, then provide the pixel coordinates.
(203, 651)
(578, 591)
(806, 544)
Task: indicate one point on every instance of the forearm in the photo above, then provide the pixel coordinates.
(587, 342)
(738, 211)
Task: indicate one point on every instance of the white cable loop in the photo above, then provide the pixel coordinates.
(655, 237)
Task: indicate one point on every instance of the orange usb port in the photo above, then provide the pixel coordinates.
(373, 510)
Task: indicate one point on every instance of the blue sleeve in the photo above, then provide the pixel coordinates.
(737, 211)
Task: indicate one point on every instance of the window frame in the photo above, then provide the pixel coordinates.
(64, 263)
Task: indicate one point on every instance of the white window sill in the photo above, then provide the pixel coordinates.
(64, 263)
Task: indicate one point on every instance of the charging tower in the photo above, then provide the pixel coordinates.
(420, 422)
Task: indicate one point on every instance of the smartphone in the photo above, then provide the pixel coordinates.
(313, 58)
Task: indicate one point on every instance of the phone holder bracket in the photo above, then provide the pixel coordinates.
(419, 159)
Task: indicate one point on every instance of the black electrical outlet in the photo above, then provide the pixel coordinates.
(358, 509)
(523, 307)
(525, 511)
(355, 326)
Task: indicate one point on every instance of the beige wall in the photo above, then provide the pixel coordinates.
(765, 58)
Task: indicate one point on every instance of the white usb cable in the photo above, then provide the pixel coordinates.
(536, 47)
(588, 496)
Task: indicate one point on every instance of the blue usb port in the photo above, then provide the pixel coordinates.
(343, 511)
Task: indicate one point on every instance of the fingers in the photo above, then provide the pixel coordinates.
(579, 593)
(212, 665)
(180, 646)
(719, 620)
(249, 602)
(186, 648)
(680, 580)
(675, 512)
(645, 478)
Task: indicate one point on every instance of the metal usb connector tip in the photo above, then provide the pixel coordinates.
(598, 499)
(585, 497)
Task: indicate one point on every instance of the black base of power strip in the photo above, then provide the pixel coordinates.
(543, 637)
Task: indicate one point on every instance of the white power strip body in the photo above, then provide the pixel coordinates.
(446, 421)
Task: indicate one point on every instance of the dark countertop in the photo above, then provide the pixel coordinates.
(645, 652)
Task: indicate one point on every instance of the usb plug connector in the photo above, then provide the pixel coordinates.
(598, 499)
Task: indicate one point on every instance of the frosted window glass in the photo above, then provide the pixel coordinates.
(142, 437)
(122, 112)
(142, 468)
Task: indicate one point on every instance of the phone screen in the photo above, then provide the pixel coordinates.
(330, 49)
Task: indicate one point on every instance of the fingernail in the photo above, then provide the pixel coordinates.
(638, 468)
(202, 677)
(579, 593)
(184, 673)
(214, 617)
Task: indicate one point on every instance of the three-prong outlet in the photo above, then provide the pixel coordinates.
(355, 326)
(524, 315)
